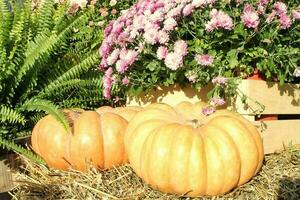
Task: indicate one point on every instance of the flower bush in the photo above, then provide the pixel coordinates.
(197, 42)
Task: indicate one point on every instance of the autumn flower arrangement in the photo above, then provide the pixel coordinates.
(197, 42)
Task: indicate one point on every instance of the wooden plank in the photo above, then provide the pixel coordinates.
(6, 179)
(171, 95)
(278, 133)
(277, 99)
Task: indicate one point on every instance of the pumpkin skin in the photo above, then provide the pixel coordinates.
(179, 150)
(95, 138)
(126, 112)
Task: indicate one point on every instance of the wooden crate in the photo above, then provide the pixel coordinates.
(278, 100)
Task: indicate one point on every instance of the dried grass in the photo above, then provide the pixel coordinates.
(278, 179)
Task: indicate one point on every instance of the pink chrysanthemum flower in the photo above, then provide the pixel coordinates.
(157, 16)
(280, 8)
(130, 57)
(219, 19)
(139, 22)
(103, 65)
(173, 61)
(170, 24)
(151, 36)
(192, 78)
(220, 80)
(107, 83)
(121, 66)
(208, 111)
(181, 48)
(296, 14)
(205, 59)
(125, 80)
(188, 10)
(113, 57)
(199, 3)
(285, 21)
(175, 12)
(250, 17)
(104, 49)
(264, 2)
(163, 37)
(162, 52)
(216, 101)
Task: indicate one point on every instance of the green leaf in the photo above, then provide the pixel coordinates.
(49, 108)
(152, 66)
(233, 59)
(21, 150)
(9, 115)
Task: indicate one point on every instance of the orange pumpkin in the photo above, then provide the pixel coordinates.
(179, 150)
(126, 112)
(95, 138)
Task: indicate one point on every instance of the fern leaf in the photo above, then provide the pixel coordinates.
(41, 49)
(85, 103)
(49, 108)
(33, 119)
(45, 21)
(76, 71)
(64, 87)
(21, 150)
(11, 116)
(5, 25)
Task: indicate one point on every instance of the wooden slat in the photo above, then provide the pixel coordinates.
(6, 180)
(171, 95)
(278, 133)
(276, 99)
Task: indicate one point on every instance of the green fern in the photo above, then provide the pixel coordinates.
(66, 87)
(49, 108)
(76, 71)
(11, 116)
(21, 150)
(47, 63)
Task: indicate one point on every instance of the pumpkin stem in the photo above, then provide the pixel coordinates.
(195, 123)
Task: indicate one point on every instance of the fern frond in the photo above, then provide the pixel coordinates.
(45, 21)
(11, 116)
(5, 25)
(21, 150)
(49, 108)
(82, 102)
(40, 50)
(76, 71)
(33, 119)
(64, 87)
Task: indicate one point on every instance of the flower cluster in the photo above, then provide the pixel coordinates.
(280, 10)
(204, 60)
(250, 17)
(152, 22)
(219, 19)
(159, 42)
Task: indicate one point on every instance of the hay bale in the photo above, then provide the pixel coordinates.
(278, 179)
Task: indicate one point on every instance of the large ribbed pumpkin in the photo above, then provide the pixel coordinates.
(179, 150)
(95, 138)
(126, 112)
